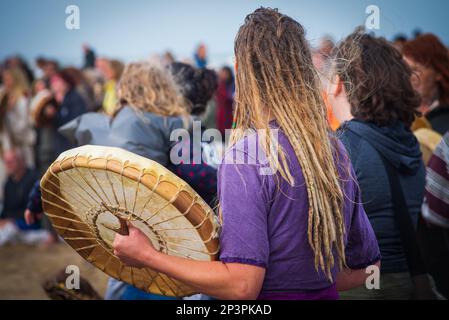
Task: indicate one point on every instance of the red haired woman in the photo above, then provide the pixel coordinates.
(429, 59)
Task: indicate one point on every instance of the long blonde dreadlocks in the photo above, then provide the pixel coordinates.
(275, 76)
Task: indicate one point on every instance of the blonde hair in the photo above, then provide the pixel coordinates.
(147, 87)
(21, 84)
(21, 88)
(275, 76)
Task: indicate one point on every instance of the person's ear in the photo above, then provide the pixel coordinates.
(235, 65)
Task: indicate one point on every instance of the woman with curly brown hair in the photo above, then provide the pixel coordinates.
(293, 226)
(371, 94)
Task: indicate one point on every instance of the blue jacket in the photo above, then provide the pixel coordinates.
(72, 106)
(398, 145)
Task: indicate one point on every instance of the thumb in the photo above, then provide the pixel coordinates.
(117, 239)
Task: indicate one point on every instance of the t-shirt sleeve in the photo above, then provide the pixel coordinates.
(244, 201)
(362, 249)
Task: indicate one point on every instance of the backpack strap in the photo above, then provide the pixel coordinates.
(404, 222)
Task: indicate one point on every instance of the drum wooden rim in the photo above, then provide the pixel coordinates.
(197, 214)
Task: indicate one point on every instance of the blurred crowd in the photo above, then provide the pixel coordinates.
(34, 105)
(35, 102)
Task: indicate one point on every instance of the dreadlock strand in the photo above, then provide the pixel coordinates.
(278, 79)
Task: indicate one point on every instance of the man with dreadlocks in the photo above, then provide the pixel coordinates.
(297, 231)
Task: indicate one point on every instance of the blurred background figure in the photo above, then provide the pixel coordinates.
(15, 124)
(200, 56)
(82, 86)
(38, 86)
(70, 105)
(20, 180)
(429, 61)
(42, 112)
(89, 57)
(321, 55)
(225, 99)
(436, 204)
(168, 58)
(111, 71)
(433, 229)
(47, 69)
(198, 87)
(19, 62)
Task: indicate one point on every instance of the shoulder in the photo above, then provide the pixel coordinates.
(246, 151)
(348, 136)
(245, 166)
(148, 119)
(353, 144)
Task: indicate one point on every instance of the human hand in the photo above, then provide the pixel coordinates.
(31, 217)
(134, 249)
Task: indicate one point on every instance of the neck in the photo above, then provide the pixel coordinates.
(343, 111)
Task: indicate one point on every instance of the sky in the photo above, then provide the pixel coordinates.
(137, 29)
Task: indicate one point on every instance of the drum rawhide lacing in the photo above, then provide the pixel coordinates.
(90, 193)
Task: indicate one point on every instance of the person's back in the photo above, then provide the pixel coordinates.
(366, 144)
(284, 250)
(144, 133)
(373, 97)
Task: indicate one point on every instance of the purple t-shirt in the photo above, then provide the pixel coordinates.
(265, 222)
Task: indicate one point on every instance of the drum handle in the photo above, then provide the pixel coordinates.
(123, 230)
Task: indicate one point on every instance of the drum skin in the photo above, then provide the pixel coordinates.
(88, 191)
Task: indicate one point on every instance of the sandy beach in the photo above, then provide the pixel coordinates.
(24, 268)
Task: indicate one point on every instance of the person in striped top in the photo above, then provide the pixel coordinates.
(436, 205)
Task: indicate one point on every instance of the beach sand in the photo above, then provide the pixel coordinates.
(24, 268)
